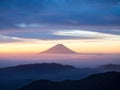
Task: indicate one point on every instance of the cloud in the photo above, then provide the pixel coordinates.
(64, 35)
(34, 25)
(58, 12)
(59, 19)
(7, 39)
(83, 34)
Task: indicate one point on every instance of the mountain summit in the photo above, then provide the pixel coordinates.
(58, 49)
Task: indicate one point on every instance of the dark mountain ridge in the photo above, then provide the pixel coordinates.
(15, 77)
(39, 66)
(103, 81)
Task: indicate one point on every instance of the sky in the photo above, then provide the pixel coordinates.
(32, 26)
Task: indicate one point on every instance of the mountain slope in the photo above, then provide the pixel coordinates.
(104, 81)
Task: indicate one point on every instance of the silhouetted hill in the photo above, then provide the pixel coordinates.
(104, 81)
(59, 49)
(15, 77)
(38, 66)
(109, 67)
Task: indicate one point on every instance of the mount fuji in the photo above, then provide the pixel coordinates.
(58, 49)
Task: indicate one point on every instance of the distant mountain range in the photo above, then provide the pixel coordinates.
(58, 49)
(38, 66)
(15, 77)
(109, 67)
(103, 81)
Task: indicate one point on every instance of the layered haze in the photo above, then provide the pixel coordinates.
(91, 28)
(61, 54)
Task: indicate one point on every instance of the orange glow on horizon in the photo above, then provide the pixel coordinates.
(76, 45)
